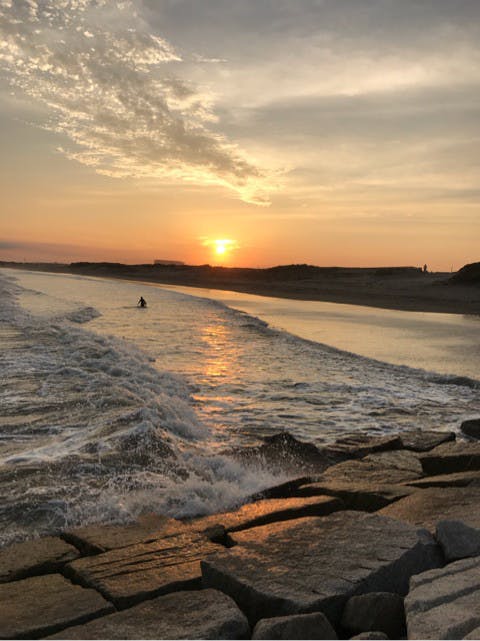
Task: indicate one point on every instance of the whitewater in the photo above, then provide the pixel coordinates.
(109, 411)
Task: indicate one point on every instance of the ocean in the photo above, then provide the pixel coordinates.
(109, 410)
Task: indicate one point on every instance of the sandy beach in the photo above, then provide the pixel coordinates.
(401, 288)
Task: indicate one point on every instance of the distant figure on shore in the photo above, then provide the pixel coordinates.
(425, 271)
(142, 302)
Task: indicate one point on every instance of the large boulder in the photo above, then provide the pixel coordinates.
(40, 556)
(41, 605)
(364, 497)
(425, 440)
(201, 614)
(270, 511)
(444, 603)
(471, 427)
(297, 626)
(458, 541)
(452, 457)
(386, 468)
(132, 574)
(457, 479)
(426, 507)
(317, 564)
(360, 445)
(375, 611)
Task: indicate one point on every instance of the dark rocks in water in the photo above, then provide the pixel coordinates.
(297, 626)
(426, 507)
(283, 490)
(467, 275)
(379, 611)
(471, 427)
(424, 440)
(41, 605)
(284, 453)
(40, 556)
(203, 614)
(451, 457)
(360, 445)
(444, 603)
(129, 575)
(367, 498)
(270, 511)
(93, 539)
(458, 479)
(458, 540)
(317, 564)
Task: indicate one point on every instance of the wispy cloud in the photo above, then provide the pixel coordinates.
(110, 87)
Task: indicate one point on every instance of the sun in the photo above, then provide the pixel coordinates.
(221, 246)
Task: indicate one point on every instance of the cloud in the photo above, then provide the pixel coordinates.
(111, 90)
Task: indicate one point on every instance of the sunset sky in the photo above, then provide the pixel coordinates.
(330, 132)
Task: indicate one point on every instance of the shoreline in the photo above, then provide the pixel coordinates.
(402, 289)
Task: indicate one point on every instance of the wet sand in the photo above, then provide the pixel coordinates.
(401, 288)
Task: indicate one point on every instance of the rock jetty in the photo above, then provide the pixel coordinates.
(374, 538)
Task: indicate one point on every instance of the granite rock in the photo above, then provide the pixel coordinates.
(360, 445)
(317, 564)
(129, 575)
(42, 605)
(379, 611)
(367, 498)
(426, 507)
(386, 468)
(471, 428)
(374, 635)
(40, 556)
(425, 440)
(458, 541)
(297, 626)
(457, 479)
(444, 603)
(201, 614)
(452, 457)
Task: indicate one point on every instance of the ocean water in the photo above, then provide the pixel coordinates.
(108, 411)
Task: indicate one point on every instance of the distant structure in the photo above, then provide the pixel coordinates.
(158, 261)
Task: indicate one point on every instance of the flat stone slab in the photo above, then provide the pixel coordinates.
(458, 479)
(42, 605)
(296, 626)
(452, 457)
(458, 541)
(368, 498)
(40, 556)
(444, 603)
(132, 574)
(425, 440)
(360, 445)
(201, 614)
(386, 468)
(316, 564)
(93, 539)
(426, 507)
(270, 511)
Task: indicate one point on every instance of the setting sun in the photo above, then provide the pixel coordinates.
(222, 246)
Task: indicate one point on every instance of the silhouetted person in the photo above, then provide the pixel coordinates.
(142, 302)
(425, 268)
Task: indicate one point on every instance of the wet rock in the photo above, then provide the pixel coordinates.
(444, 603)
(317, 564)
(284, 453)
(458, 479)
(297, 626)
(423, 440)
(379, 611)
(451, 457)
(94, 539)
(372, 634)
(270, 511)
(426, 507)
(367, 498)
(40, 556)
(458, 541)
(132, 574)
(360, 445)
(42, 605)
(282, 491)
(474, 634)
(202, 614)
(471, 428)
(387, 468)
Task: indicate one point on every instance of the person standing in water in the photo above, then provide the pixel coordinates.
(142, 302)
